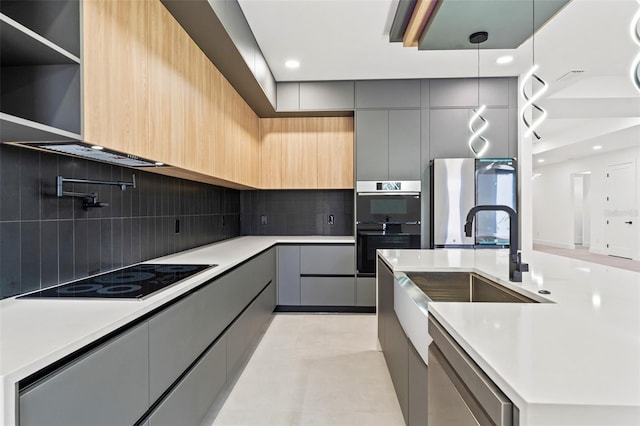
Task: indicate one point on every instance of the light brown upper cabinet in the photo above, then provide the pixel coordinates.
(335, 152)
(306, 153)
(151, 92)
(115, 74)
(299, 163)
(270, 153)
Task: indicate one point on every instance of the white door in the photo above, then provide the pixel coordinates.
(620, 189)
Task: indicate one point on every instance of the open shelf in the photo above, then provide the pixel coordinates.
(57, 21)
(40, 80)
(46, 94)
(18, 129)
(21, 46)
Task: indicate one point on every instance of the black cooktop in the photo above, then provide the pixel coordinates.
(133, 282)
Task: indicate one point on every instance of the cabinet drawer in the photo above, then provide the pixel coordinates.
(327, 260)
(179, 334)
(248, 280)
(327, 291)
(108, 386)
(190, 400)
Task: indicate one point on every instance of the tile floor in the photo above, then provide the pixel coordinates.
(582, 253)
(314, 370)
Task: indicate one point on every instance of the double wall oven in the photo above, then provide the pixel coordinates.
(387, 217)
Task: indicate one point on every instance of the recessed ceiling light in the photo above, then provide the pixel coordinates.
(97, 147)
(597, 147)
(504, 60)
(541, 160)
(292, 64)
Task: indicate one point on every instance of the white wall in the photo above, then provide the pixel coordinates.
(552, 196)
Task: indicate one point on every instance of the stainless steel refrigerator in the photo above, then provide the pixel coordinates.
(458, 184)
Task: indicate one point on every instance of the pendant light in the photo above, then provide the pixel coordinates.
(635, 36)
(478, 144)
(532, 77)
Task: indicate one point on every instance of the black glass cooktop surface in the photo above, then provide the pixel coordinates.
(133, 282)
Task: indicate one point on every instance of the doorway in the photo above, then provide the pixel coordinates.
(580, 183)
(620, 201)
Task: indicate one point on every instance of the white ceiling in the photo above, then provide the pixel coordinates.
(348, 40)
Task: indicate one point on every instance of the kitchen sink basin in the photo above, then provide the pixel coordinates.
(464, 287)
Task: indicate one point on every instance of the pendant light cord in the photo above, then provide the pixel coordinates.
(533, 31)
(478, 75)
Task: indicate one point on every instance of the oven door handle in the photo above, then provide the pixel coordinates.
(358, 222)
(368, 194)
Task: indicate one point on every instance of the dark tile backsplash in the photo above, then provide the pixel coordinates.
(46, 240)
(297, 212)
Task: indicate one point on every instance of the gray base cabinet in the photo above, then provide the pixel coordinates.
(397, 355)
(188, 403)
(365, 291)
(118, 382)
(289, 275)
(407, 369)
(242, 336)
(417, 404)
(317, 275)
(385, 301)
(109, 386)
(327, 291)
(180, 333)
(327, 260)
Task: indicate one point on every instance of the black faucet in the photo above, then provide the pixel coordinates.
(516, 267)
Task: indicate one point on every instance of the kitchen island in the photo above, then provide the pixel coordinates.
(37, 333)
(574, 360)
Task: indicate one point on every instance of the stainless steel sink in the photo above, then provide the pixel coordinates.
(464, 287)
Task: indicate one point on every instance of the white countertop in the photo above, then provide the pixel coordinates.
(575, 361)
(37, 332)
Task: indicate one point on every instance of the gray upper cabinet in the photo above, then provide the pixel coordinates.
(453, 93)
(497, 133)
(324, 96)
(109, 386)
(495, 92)
(287, 96)
(404, 144)
(372, 145)
(388, 94)
(388, 144)
(449, 133)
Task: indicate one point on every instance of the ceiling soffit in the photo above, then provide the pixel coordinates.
(508, 22)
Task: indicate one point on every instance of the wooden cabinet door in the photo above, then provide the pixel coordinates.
(299, 148)
(170, 92)
(270, 153)
(115, 68)
(335, 153)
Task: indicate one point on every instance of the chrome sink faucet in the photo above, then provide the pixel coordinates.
(516, 267)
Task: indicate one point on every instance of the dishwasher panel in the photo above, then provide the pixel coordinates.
(482, 399)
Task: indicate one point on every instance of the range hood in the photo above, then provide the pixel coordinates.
(92, 152)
